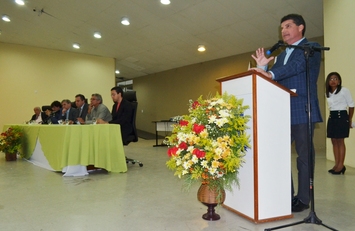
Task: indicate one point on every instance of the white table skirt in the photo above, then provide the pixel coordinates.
(40, 160)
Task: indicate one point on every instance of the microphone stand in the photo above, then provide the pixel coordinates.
(312, 217)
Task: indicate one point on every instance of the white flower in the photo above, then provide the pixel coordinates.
(220, 101)
(212, 119)
(224, 113)
(186, 164)
(212, 170)
(178, 161)
(219, 174)
(181, 136)
(194, 159)
(190, 149)
(218, 151)
(204, 163)
(213, 103)
(214, 143)
(221, 122)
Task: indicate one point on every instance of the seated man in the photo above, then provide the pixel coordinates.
(122, 112)
(68, 113)
(56, 114)
(39, 116)
(97, 111)
(82, 108)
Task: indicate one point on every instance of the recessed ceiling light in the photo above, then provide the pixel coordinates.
(165, 2)
(6, 18)
(117, 71)
(20, 2)
(201, 48)
(125, 21)
(76, 45)
(97, 35)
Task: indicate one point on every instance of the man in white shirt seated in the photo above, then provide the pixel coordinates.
(39, 116)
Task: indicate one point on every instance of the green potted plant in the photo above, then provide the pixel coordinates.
(10, 142)
(208, 146)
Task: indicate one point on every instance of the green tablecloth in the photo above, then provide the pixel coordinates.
(67, 145)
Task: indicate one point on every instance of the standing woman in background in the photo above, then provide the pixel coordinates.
(340, 121)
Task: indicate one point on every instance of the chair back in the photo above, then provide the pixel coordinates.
(132, 98)
(46, 107)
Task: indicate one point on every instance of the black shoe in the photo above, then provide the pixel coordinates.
(331, 170)
(342, 171)
(299, 206)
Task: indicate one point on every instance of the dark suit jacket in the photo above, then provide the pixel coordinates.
(123, 117)
(54, 117)
(293, 76)
(84, 111)
(43, 116)
(73, 115)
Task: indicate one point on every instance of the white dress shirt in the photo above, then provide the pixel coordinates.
(340, 101)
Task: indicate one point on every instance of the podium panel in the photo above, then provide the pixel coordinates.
(265, 177)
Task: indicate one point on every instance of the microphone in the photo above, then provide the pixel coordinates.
(275, 47)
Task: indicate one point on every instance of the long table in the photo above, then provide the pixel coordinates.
(72, 145)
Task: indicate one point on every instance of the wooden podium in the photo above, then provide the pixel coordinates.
(264, 192)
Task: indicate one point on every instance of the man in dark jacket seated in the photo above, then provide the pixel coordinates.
(122, 113)
(55, 114)
(69, 114)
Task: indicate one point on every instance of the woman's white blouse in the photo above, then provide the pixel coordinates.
(340, 101)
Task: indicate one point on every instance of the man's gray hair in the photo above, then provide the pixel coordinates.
(98, 97)
(66, 100)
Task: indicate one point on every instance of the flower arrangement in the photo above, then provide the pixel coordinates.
(208, 145)
(10, 140)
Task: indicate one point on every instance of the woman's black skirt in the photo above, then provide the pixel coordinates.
(338, 124)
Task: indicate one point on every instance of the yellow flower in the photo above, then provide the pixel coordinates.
(215, 164)
(204, 134)
(211, 141)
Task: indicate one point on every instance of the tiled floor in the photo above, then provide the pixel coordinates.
(147, 198)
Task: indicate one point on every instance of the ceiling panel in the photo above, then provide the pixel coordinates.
(160, 37)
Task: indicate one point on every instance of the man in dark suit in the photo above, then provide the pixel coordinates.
(68, 113)
(290, 71)
(39, 116)
(122, 112)
(82, 108)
